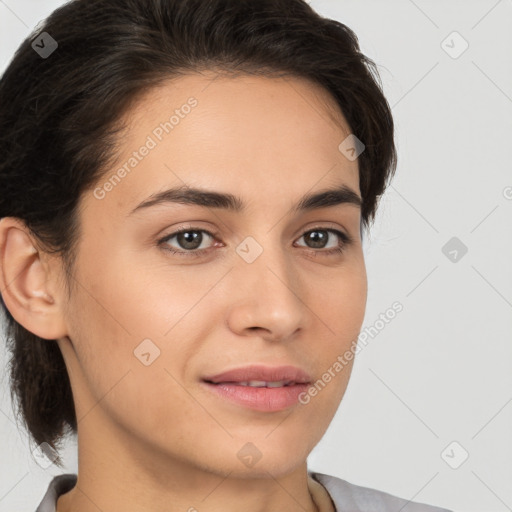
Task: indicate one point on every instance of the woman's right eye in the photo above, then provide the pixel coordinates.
(190, 239)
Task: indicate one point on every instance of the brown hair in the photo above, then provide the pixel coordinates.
(59, 117)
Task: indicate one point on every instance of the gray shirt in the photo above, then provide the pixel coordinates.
(346, 497)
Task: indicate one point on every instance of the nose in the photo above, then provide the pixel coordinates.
(268, 297)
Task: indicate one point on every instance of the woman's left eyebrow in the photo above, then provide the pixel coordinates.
(223, 200)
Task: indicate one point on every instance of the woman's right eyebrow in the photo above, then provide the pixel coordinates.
(227, 201)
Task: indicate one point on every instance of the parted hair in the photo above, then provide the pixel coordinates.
(60, 121)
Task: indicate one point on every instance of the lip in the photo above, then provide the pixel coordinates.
(261, 372)
(226, 385)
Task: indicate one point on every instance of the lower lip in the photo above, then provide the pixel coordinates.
(259, 399)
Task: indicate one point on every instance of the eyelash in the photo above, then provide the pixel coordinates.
(345, 241)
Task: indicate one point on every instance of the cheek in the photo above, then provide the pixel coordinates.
(128, 368)
(341, 308)
(342, 300)
(136, 299)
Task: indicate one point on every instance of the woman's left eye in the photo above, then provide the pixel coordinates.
(191, 239)
(317, 236)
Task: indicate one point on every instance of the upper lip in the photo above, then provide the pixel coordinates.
(262, 373)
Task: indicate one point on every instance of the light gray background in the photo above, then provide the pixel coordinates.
(441, 370)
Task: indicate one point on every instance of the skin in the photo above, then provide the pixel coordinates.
(149, 437)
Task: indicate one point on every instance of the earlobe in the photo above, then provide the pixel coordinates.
(25, 283)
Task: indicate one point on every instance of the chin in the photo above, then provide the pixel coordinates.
(259, 457)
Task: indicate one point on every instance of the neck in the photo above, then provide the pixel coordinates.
(116, 478)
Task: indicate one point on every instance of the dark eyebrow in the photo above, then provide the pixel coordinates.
(226, 201)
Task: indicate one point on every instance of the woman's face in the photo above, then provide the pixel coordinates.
(261, 284)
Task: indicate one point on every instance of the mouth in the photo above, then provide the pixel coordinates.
(257, 383)
(260, 388)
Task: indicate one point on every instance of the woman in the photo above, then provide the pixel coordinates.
(185, 185)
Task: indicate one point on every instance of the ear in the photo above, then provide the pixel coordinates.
(28, 282)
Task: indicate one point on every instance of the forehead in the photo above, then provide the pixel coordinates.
(298, 95)
(246, 134)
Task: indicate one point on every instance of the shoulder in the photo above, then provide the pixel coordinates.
(347, 496)
(60, 484)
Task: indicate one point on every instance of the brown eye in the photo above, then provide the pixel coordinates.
(189, 241)
(318, 238)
